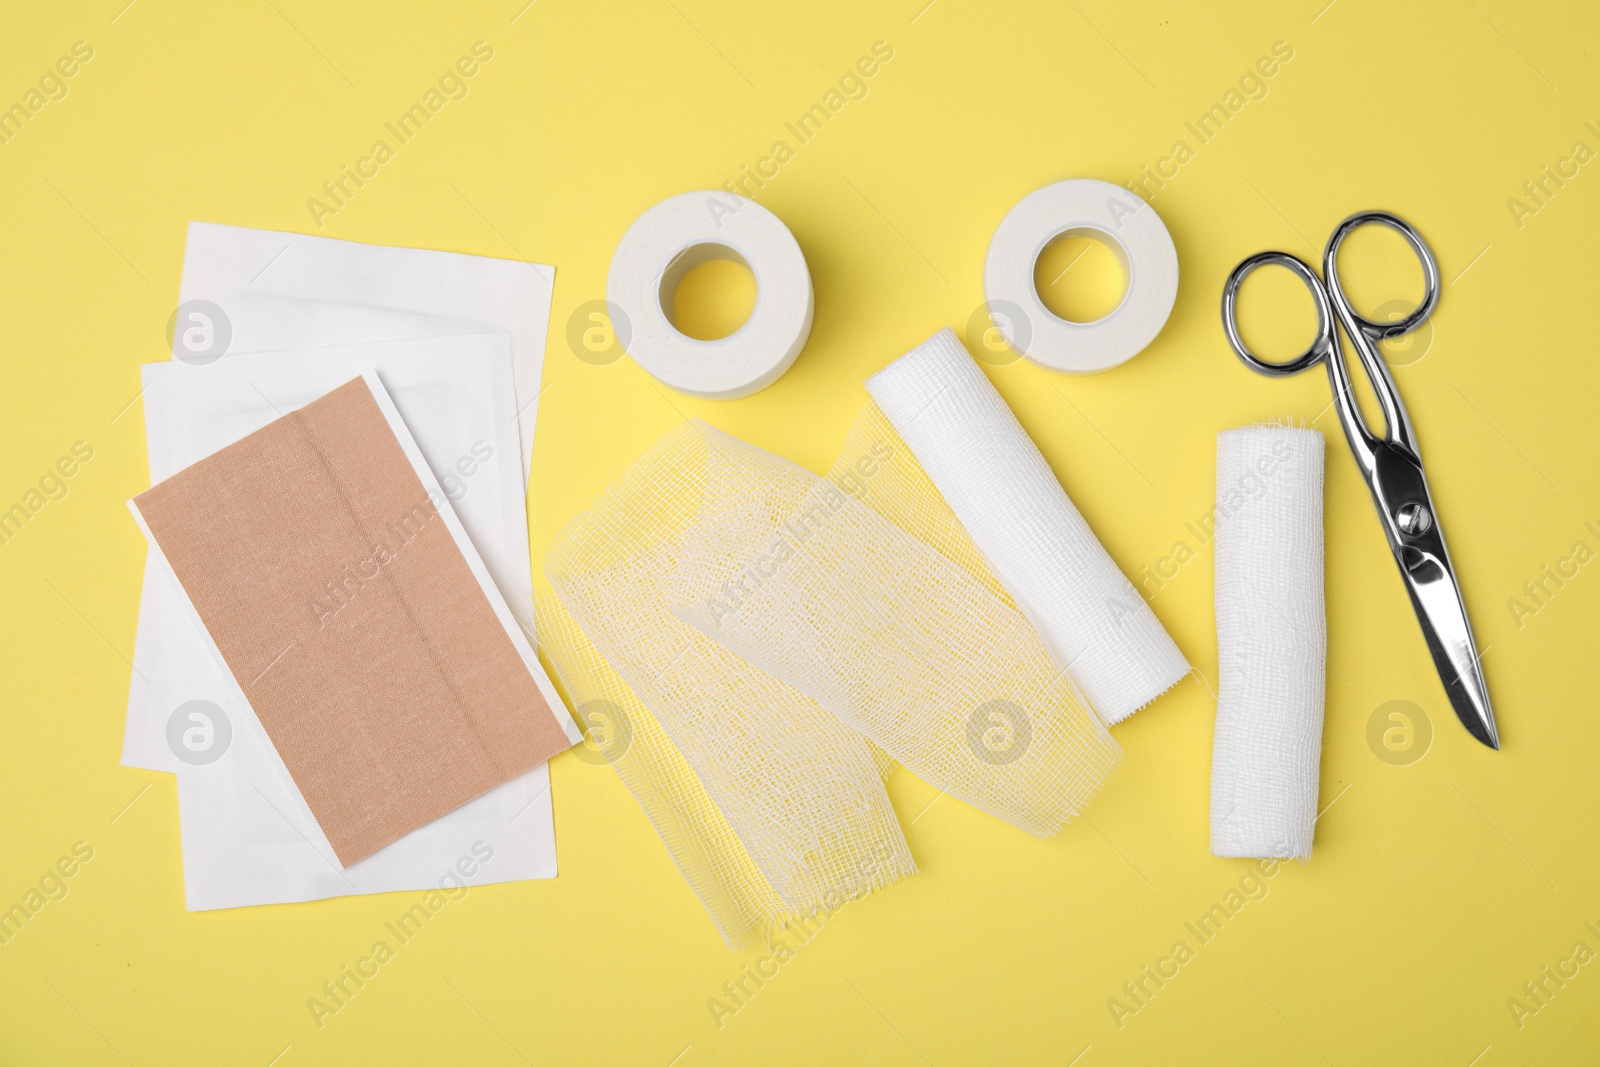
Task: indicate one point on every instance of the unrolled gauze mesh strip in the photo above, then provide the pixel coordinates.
(1271, 642)
(709, 854)
(903, 644)
(798, 788)
(1009, 502)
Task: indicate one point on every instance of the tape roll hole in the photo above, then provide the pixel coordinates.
(1081, 275)
(708, 292)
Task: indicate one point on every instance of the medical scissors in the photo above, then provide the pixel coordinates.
(1390, 464)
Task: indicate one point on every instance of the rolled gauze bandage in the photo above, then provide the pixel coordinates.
(1271, 642)
(1003, 492)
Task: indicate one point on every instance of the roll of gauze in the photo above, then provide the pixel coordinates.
(1271, 642)
(987, 469)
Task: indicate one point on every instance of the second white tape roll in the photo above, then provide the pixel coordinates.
(1107, 213)
(679, 234)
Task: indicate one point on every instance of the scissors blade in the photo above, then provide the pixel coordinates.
(1400, 489)
(1443, 615)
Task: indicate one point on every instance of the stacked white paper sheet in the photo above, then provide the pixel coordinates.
(458, 341)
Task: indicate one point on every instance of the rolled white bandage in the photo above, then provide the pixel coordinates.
(1271, 642)
(999, 486)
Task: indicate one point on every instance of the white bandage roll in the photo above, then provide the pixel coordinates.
(1034, 540)
(1081, 208)
(1271, 643)
(674, 237)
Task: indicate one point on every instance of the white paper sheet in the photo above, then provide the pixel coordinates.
(248, 837)
(292, 290)
(283, 291)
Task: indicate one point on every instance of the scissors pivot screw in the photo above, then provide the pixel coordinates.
(1414, 519)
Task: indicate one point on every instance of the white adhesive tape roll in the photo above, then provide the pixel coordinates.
(1088, 208)
(679, 234)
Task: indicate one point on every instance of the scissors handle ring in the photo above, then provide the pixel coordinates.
(1320, 346)
(1379, 331)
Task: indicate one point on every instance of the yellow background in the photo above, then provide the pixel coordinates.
(1437, 889)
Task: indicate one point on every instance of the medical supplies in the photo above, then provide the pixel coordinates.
(674, 237)
(764, 631)
(1392, 463)
(1081, 207)
(994, 479)
(390, 703)
(753, 647)
(460, 339)
(1272, 641)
